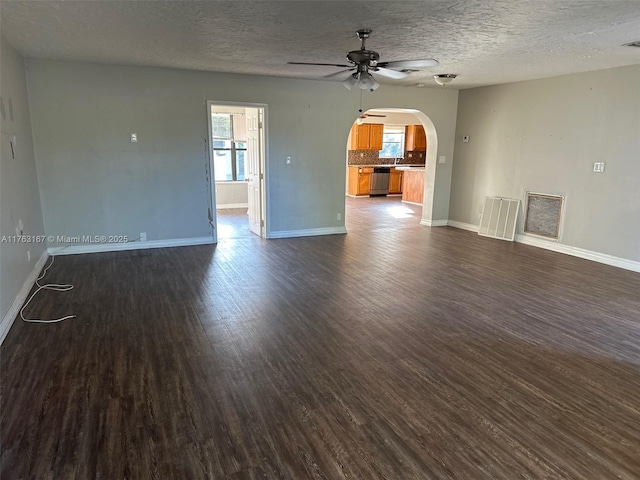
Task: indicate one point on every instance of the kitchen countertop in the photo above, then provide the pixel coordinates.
(399, 165)
(417, 168)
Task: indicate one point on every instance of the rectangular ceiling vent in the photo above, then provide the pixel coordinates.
(499, 218)
(632, 44)
(543, 215)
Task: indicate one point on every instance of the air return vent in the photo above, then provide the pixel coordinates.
(543, 214)
(499, 218)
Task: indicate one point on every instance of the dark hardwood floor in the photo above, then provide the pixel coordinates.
(396, 351)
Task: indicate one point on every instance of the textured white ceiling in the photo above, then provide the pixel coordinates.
(485, 42)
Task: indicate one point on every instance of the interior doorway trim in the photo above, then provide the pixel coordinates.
(264, 162)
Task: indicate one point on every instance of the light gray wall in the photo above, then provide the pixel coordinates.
(95, 182)
(19, 197)
(231, 193)
(544, 136)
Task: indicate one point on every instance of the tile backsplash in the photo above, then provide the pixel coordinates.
(364, 157)
(370, 157)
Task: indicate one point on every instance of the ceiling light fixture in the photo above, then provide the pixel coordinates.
(364, 80)
(444, 78)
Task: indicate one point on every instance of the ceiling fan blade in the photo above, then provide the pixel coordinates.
(341, 72)
(427, 62)
(320, 64)
(385, 72)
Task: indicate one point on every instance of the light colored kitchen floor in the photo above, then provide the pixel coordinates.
(373, 213)
(362, 214)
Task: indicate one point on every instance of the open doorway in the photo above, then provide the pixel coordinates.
(237, 148)
(390, 162)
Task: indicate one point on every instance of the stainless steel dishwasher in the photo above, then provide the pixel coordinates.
(380, 181)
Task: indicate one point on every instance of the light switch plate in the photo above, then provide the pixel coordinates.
(465, 139)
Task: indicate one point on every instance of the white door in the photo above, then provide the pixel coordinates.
(252, 166)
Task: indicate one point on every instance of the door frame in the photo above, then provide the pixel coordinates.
(264, 162)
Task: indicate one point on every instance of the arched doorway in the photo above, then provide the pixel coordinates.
(398, 117)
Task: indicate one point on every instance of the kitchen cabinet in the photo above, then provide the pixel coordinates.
(367, 136)
(413, 185)
(395, 181)
(359, 181)
(416, 138)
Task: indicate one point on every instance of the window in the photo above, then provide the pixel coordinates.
(392, 142)
(228, 155)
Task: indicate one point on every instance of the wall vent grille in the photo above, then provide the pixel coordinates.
(499, 218)
(543, 214)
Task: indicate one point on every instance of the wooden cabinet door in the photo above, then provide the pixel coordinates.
(356, 136)
(359, 137)
(375, 136)
(364, 184)
(416, 138)
(367, 136)
(362, 137)
(421, 138)
(395, 182)
(353, 181)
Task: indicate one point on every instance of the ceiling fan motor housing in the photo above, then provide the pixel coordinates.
(368, 57)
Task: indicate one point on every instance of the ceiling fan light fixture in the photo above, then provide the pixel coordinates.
(444, 78)
(350, 81)
(366, 81)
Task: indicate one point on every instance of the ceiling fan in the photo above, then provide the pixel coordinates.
(363, 116)
(362, 62)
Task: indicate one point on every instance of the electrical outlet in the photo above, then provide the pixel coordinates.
(134, 137)
(288, 162)
(442, 159)
(143, 236)
(598, 167)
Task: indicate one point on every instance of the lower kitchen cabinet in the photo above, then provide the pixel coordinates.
(413, 188)
(359, 181)
(395, 181)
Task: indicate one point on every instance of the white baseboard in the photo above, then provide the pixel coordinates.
(464, 226)
(231, 205)
(311, 232)
(562, 248)
(116, 247)
(434, 223)
(579, 252)
(10, 316)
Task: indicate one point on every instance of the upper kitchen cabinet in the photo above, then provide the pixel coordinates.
(367, 136)
(416, 138)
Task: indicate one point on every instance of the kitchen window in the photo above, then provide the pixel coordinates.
(392, 142)
(228, 154)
